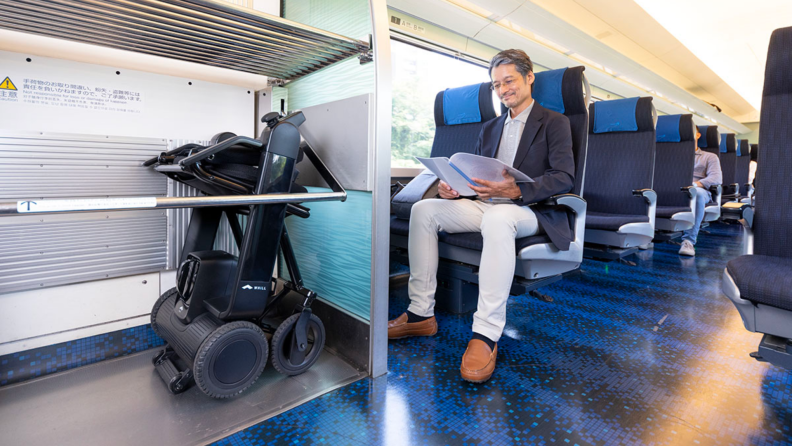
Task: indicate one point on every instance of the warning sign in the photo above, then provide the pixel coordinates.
(78, 96)
(7, 84)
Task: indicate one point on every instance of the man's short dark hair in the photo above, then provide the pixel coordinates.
(518, 58)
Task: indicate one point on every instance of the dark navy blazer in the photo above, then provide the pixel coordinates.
(545, 155)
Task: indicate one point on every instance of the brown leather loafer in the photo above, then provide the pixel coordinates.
(400, 328)
(478, 362)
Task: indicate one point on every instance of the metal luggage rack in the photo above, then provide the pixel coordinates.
(207, 32)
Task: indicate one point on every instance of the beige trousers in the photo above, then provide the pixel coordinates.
(499, 225)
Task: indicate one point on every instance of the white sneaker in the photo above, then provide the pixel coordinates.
(687, 249)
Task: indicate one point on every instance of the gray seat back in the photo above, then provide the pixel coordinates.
(674, 159)
(562, 91)
(620, 156)
(728, 158)
(742, 165)
(773, 213)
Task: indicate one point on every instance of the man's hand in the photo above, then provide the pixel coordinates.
(698, 184)
(497, 189)
(445, 191)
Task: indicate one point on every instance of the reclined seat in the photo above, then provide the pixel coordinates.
(760, 285)
(728, 161)
(742, 165)
(539, 262)
(674, 160)
(710, 142)
(620, 168)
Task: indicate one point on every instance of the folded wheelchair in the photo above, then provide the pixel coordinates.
(225, 319)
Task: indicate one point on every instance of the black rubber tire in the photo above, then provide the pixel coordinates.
(281, 343)
(165, 296)
(215, 345)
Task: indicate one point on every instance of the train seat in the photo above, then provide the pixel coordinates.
(674, 159)
(620, 168)
(759, 285)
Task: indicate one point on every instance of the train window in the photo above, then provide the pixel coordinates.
(418, 74)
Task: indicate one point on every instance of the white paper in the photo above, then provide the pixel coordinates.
(440, 167)
(473, 166)
(85, 204)
(482, 167)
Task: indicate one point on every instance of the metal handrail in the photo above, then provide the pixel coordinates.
(145, 203)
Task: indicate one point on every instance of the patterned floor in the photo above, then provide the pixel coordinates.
(651, 354)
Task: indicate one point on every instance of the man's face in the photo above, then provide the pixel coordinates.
(510, 86)
(698, 135)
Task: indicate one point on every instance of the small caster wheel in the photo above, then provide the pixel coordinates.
(286, 355)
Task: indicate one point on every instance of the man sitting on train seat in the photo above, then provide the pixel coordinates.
(537, 142)
(706, 173)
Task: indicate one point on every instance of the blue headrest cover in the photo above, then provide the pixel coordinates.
(615, 116)
(547, 89)
(742, 147)
(668, 128)
(707, 136)
(727, 142)
(461, 105)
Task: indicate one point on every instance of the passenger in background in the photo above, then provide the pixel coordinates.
(537, 142)
(706, 173)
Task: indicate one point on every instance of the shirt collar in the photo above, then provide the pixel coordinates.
(523, 116)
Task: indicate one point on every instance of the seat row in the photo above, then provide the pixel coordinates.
(633, 175)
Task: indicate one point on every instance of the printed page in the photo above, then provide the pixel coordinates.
(440, 167)
(490, 169)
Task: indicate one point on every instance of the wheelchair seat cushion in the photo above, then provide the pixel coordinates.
(474, 240)
(612, 222)
(763, 279)
(669, 211)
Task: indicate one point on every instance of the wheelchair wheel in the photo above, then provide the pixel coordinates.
(285, 357)
(231, 359)
(165, 296)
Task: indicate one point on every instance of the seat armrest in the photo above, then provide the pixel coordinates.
(648, 195)
(570, 201)
(688, 190)
(747, 220)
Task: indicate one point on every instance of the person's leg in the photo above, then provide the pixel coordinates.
(426, 219)
(702, 198)
(500, 225)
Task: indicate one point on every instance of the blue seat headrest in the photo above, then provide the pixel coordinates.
(464, 105)
(675, 128)
(728, 143)
(754, 151)
(621, 115)
(547, 90)
(743, 148)
(710, 138)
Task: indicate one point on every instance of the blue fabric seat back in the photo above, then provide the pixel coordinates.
(728, 157)
(562, 91)
(459, 115)
(754, 152)
(773, 213)
(674, 159)
(742, 164)
(710, 139)
(620, 156)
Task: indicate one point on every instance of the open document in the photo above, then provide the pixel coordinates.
(459, 170)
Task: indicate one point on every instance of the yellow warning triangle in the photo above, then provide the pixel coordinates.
(7, 84)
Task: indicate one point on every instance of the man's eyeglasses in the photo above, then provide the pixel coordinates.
(497, 85)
